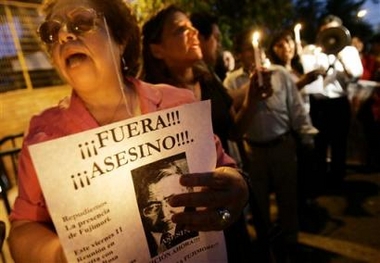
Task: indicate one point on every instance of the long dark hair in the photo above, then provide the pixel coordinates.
(296, 60)
(123, 27)
(154, 70)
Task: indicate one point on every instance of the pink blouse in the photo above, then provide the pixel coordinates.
(70, 116)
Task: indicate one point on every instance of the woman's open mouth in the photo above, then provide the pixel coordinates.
(75, 59)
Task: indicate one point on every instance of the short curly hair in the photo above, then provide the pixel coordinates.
(122, 24)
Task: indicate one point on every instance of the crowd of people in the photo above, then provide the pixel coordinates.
(280, 129)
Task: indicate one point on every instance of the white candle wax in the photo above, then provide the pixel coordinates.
(297, 38)
(255, 44)
(297, 33)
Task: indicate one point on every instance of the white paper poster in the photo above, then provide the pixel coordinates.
(107, 188)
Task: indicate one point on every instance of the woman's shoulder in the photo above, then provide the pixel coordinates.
(280, 71)
(46, 124)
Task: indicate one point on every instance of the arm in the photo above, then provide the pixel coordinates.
(300, 120)
(34, 242)
(309, 77)
(238, 96)
(32, 237)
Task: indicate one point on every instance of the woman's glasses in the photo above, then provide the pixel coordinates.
(79, 21)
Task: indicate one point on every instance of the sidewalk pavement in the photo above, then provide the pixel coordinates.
(342, 226)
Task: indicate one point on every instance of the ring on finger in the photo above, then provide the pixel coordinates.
(224, 215)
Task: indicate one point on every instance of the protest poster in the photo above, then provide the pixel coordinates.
(95, 182)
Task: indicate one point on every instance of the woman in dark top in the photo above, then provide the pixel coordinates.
(221, 103)
(172, 55)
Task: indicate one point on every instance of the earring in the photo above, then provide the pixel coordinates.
(124, 64)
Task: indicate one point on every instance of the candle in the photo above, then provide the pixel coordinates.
(297, 34)
(297, 37)
(255, 44)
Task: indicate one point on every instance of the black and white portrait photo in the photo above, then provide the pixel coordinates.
(154, 184)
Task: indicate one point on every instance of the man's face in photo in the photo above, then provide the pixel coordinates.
(157, 211)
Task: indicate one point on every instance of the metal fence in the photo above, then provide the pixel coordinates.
(23, 63)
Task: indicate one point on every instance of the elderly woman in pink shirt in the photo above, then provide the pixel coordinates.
(83, 44)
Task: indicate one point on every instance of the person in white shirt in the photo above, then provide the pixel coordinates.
(329, 104)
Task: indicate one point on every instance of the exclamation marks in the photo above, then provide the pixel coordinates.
(176, 113)
(173, 118)
(80, 180)
(88, 149)
(183, 138)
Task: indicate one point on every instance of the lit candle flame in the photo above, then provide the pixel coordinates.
(255, 39)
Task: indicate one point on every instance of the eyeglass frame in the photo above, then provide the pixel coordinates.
(158, 203)
(70, 25)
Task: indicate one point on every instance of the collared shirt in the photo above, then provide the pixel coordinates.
(341, 69)
(278, 114)
(70, 117)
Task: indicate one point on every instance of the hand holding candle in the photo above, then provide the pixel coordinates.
(255, 44)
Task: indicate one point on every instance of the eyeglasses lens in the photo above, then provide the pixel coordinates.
(82, 21)
(79, 21)
(48, 31)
